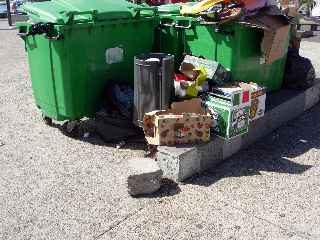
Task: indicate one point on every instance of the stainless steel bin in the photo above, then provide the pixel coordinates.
(153, 84)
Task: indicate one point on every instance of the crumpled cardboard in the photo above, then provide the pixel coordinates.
(215, 71)
(196, 79)
(185, 123)
(276, 32)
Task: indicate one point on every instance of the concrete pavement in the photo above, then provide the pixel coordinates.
(55, 187)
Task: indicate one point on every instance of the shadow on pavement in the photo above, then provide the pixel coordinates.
(168, 188)
(273, 153)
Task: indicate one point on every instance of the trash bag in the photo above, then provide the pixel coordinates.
(299, 71)
(122, 97)
(251, 5)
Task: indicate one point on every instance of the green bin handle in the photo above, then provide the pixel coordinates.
(188, 26)
(167, 22)
(71, 16)
(139, 9)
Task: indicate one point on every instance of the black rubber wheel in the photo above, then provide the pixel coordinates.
(71, 128)
(48, 121)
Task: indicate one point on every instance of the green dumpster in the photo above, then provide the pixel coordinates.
(234, 45)
(75, 47)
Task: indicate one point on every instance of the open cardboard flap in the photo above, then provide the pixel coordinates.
(192, 106)
(188, 106)
(276, 30)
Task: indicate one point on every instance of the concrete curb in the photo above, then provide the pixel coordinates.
(180, 163)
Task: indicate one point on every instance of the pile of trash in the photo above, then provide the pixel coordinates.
(225, 10)
(212, 58)
(207, 100)
(207, 103)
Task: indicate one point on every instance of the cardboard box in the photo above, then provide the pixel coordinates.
(258, 104)
(186, 122)
(258, 100)
(276, 33)
(232, 121)
(215, 71)
(230, 108)
(237, 94)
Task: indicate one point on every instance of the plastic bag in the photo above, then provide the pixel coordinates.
(122, 98)
(193, 90)
(299, 71)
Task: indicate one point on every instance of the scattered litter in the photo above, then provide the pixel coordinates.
(121, 144)
(151, 152)
(216, 73)
(122, 97)
(71, 126)
(197, 75)
(86, 135)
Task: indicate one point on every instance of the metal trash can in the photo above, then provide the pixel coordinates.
(153, 84)
(75, 47)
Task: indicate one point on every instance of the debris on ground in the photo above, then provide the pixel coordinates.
(121, 144)
(122, 97)
(86, 135)
(223, 57)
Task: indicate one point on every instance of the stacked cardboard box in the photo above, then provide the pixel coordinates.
(230, 107)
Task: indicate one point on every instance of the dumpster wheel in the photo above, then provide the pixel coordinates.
(71, 128)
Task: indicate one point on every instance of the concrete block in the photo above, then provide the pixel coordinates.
(210, 154)
(255, 131)
(179, 163)
(312, 95)
(144, 176)
(189, 163)
(231, 147)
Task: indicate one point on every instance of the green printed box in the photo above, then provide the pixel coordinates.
(232, 116)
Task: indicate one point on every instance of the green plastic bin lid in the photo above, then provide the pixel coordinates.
(67, 11)
(173, 8)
